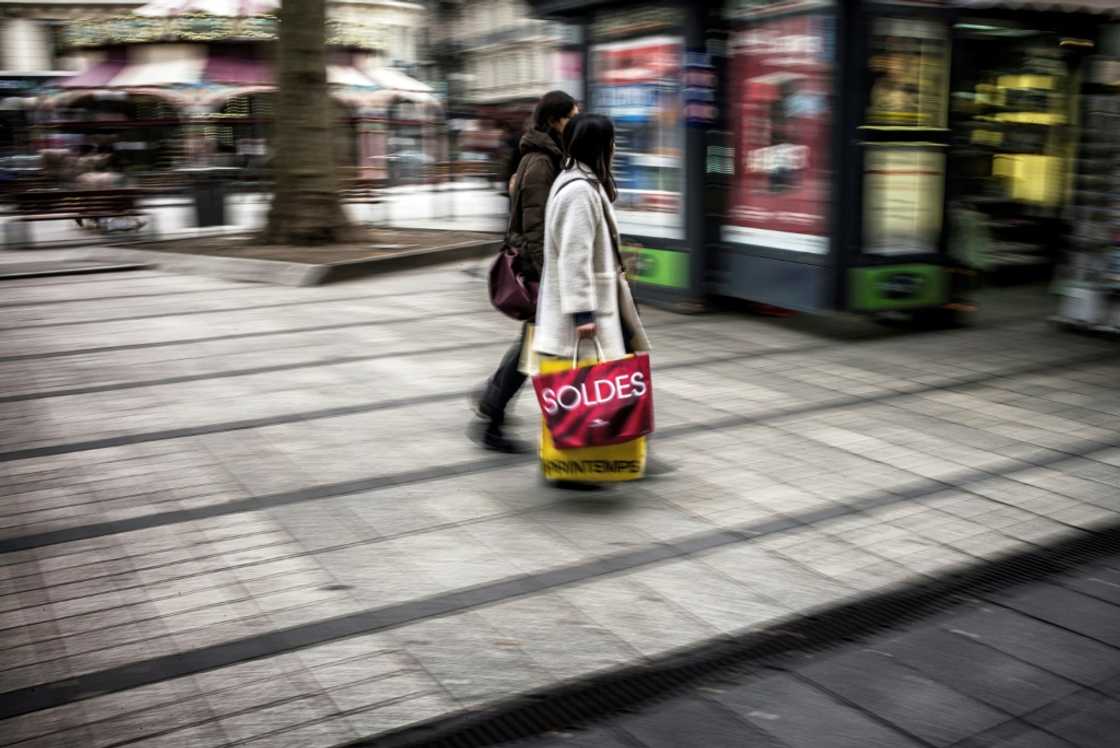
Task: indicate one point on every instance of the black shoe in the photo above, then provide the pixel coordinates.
(489, 436)
(476, 404)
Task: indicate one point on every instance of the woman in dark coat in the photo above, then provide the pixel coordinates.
(541, 157)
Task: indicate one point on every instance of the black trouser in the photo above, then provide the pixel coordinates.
(503, 386)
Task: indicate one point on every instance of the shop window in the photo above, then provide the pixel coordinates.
(781, 107)
(908, 65)
(1013, 111)
(904, 178)
(57, 41)
(637, 82)
(1015, 128)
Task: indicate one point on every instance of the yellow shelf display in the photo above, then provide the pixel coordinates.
(1031, 178)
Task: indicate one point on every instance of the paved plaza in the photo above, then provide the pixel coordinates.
(238, 514)
(1031, 666)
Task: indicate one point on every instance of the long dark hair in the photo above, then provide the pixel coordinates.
(589, 140)
(553, 105)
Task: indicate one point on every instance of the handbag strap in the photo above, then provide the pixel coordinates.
(515, 200)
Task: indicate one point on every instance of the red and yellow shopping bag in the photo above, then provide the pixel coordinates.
(593, 464)
(597, 405)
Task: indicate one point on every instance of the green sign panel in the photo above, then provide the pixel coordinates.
(658, 267)
(891, 287)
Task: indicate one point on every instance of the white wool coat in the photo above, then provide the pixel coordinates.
(581, 272)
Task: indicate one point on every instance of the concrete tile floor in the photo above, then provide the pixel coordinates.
(245, 514)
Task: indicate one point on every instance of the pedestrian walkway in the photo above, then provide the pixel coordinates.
(49, 263)
(246, 515)
(1036, 665)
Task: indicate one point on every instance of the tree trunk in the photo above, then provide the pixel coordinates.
(305, 206)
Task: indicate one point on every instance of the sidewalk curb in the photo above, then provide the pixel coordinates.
(64, 269)
(603, 694)
(282, 273)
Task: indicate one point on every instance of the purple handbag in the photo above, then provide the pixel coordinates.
(511, 292)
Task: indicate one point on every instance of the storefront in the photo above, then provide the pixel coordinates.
(809, 154)
(1017, 92)
(634, 71)
(192, 84)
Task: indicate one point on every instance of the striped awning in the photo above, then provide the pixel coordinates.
(200, 77)
(350, 77)
(98, 75)
(396, 81)
(233, 70)
(147, 66)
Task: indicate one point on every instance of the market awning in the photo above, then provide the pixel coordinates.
(344, 75)
(1103, 7)
(403, 87)
(162, 65)
(364, 100)
(97, 75)
(237, 71)
(63, 99)
(397, 81)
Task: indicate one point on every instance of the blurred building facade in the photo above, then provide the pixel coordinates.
(32, 33)
(492, 61)
(508, 56)
(169, 82)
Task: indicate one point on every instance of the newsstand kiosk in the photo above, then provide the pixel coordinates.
(789, 152)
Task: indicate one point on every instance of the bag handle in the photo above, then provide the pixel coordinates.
(598, 351)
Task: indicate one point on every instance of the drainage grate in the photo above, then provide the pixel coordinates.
(592, 699)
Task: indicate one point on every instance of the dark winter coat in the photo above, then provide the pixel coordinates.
(540, 163)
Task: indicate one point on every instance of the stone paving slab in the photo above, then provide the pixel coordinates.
(248, 485)
(975, 676)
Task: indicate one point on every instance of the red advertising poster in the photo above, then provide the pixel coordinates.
(783, 73)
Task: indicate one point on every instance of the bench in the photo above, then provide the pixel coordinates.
(361, 190)
(34, 205)
(164, 183)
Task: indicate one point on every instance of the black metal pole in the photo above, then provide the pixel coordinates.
(695, 186)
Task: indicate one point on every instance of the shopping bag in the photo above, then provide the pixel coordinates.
(618, 462)
(527, 363)
(597, 404)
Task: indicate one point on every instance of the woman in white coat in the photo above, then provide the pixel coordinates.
(583, 291)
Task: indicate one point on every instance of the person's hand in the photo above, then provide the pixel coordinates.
(586, 331)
